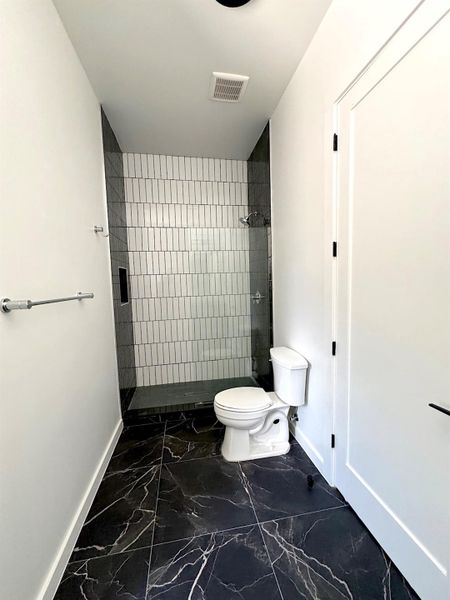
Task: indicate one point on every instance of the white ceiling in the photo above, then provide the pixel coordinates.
(150, 63)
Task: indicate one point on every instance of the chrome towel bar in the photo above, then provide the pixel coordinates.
(8, 305)
(441, 409)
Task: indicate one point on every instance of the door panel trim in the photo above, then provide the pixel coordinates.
(403, 545)
(397, 519)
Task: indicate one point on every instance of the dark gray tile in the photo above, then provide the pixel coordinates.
(200, 437)
(119, 577)
(126, 393)
(220, 566)
(139, 446)
(278, 486)
(183, 396)
(122, 515)
(330, 555)
(118, 246)
(201, 496)
(260, 265)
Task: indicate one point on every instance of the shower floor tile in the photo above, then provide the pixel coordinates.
(173, 520)
(182, 396)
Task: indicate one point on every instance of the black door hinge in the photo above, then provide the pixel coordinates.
(333, 348)
(333, 440)
(334, 249)
(335, 142)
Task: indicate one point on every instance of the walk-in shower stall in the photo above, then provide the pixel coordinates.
(190, 260)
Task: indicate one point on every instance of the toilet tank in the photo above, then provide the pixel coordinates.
(289, 371)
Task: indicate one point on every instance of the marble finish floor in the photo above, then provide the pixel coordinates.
(173, 521)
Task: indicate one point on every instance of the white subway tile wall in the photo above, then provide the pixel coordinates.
(189, 267)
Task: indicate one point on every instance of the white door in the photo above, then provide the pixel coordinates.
(393, 300)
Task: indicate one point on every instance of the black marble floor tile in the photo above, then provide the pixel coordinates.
(138, 417)
(196, 438)
(330, 555)
(316, 545)
(122, 515)
(201, 496)
(118, 577)
(220, 566)
(143, 417)
(278, 486)
(139, 446)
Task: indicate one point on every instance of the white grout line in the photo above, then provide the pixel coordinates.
(179, 462)
(156, 510)
(110, 555)
(304, 514)
(193, 537)
(261, 533)
(211, 533)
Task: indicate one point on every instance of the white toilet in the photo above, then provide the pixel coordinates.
(256, 421)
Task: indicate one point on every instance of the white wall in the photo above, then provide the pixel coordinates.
(59, 406)
(301, 135)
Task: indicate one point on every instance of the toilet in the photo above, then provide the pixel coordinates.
(256, 422)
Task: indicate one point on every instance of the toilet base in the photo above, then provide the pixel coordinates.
(238, 446)
(258, 450)
(259, 435)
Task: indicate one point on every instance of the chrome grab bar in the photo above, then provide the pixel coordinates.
(8, 305)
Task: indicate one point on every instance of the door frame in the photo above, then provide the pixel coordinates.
(333, 187)
(427, 15)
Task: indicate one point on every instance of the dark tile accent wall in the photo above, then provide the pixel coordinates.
(260, 249)
(118, 243)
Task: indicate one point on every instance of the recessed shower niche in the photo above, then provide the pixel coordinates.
(123, 285)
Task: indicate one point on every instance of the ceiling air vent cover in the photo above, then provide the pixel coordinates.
(226, 87)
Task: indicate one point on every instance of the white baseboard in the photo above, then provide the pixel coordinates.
(310, 449)
(58, 567)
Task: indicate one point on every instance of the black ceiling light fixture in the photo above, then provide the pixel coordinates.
(233, 3)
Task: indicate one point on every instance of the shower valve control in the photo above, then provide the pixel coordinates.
(257, 297)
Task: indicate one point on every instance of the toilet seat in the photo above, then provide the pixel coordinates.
(243, 400)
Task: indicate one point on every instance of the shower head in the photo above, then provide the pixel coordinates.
(246, 220)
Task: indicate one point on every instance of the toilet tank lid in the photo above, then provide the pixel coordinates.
(288, 358)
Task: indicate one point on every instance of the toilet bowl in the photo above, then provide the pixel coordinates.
(256, 422)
